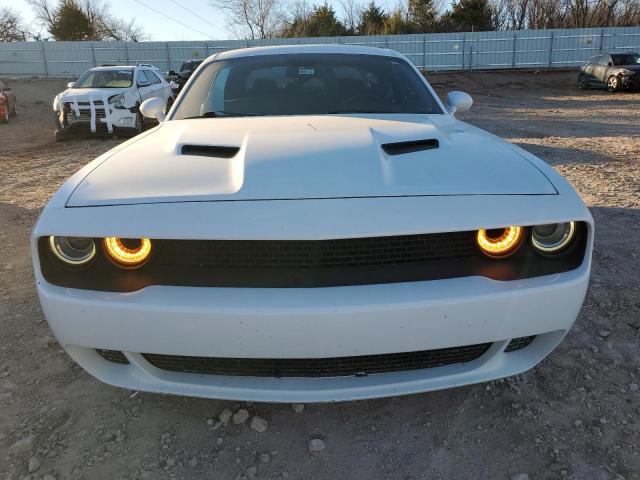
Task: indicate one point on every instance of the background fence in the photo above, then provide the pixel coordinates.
(432, 52)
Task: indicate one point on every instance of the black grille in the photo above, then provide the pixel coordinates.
(310, 263)
(305, 255)
(318, 367)
(519, 343)
(112, 355)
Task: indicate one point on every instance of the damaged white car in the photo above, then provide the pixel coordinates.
(107, 100)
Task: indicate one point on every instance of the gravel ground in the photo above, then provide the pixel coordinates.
(576, 415)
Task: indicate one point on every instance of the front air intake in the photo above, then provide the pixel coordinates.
(400, 148)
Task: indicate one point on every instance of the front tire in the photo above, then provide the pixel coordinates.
(583, 84)
(139, 123)
(613, 84)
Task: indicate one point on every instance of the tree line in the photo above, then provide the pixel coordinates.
(298, 18)
(253, 19)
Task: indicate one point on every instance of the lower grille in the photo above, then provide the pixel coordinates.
(519, 343)
(112, 355)
(318, 367)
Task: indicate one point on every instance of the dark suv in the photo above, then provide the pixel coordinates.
(613, 70)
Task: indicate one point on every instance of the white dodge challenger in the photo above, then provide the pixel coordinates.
(311, 223)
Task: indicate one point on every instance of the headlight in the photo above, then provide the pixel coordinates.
(74, 251)
(127, 252)
(117, 101)
(499, 242)
(553, 237)
(626, 72)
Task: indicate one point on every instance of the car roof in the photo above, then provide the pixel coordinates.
(293, 49)
(123, 67)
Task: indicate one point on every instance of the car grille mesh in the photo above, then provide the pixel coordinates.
(318, 367)
(302, 254)
(519, 343)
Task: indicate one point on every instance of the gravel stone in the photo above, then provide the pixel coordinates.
(34, 464)
(316, 445)
(259, 424)
(265, 458)
(225, 416)
(297, 407)
(193, 461)
(252, 471)
(633, 387)
(241, 416)
(23, 445)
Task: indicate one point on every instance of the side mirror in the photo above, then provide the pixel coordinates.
(609, 64)
(143, 84)
(70, 84)
(171, 73)
(153, 108)
(458, 102)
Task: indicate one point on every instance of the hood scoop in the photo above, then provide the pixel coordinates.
(209, 151)
(400, 148)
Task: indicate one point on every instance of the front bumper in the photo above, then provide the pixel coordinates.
(631, 81)
(120, 119)
(315, 323)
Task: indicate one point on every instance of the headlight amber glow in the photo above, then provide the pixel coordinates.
(499, 242)
(127, 252)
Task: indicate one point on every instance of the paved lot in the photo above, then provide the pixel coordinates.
(577, 415)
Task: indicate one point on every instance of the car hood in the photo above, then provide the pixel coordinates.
(634, 67)
(85, 94)
(308, 157)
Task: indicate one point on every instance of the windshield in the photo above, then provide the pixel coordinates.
(626, 59)
(306, 84)
(105, 79)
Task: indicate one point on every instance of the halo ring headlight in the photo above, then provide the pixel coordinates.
(74, 251)
(553, 237)
(499, 242)
(127, 252)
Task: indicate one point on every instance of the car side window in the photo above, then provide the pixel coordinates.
(593, 60)
(141, 77)
(605, 59)
(153, 79)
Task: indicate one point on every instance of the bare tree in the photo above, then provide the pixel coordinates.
(628, 13)
(11, 28)
(351, 14)
(253, 18)
(104, 26)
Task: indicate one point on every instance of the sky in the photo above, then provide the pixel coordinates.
(187, 19)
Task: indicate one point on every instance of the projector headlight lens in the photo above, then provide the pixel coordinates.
(499, 242)
(553, 237)
(127, 252)
(73, 251)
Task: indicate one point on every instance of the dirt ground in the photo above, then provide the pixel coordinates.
(575, 416)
